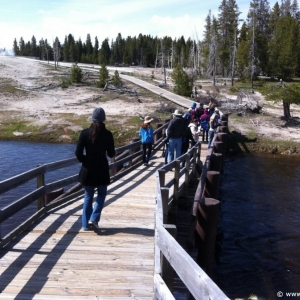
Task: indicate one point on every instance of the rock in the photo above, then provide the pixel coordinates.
(17, 133)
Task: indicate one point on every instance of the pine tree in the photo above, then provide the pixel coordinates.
(288, 93)
(182, 84)
(116, 80)
(259, 35)
(242, 56)
(16, 47)
(95, 51)
(104, 53)
(103, 76)
(76, 74)
(283, 47)
(22, 47)
(227, 31)
(33, 47)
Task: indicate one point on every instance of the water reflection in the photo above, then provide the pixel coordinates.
(259, 236)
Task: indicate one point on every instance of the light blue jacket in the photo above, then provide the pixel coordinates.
(146, 134)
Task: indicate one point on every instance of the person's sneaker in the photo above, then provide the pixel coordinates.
(86, 229)
(94, 224)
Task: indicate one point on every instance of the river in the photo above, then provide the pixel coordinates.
(19, 157)
(258, 237)
(259, 240)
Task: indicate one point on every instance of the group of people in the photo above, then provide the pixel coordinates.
(206, 118)
(96, 144)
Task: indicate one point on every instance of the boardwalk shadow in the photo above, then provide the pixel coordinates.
(39, 277)
(49, 259)
(127, 230)
(132, 180)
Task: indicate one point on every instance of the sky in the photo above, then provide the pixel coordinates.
(105, 19)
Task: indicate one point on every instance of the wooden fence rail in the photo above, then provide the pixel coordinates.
(133, 158)
(169, 255)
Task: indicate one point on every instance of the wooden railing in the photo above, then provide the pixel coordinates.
(126, 159)
(169, 255)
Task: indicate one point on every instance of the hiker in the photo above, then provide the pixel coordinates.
(204, 122)
(200, 111)
(188, 115)
(211, 108)
(214, 122)
(93, 145)
(177, 129)
(194, 112)
(147, 139)
(195, 131)
(186, 139)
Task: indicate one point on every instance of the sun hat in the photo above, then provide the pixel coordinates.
(147, 120)
(98, 115)
(216, 109)
(177, 112)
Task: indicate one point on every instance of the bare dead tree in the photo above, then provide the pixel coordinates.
(56, 52)
(233, 56)
(213, 57)
(163, 61)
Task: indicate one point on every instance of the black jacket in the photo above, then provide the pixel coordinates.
(95, 170)
(177, 128)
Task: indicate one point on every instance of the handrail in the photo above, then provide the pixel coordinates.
(200, 285)
(134, 157)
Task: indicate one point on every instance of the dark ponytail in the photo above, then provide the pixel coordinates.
(94, 130)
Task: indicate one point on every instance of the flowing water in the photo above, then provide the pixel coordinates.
(19, 157)
(259, 237)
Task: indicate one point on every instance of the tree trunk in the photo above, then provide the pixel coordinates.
(286, 109)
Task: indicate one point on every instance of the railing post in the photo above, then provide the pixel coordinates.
(162, 177)
(165, 201)
(212, 184)
(40, 182)
(113, 171)
(173, 211)
(137, 149)
(222, 137)
(218, 147)
(216, 160)
(187, 173)
(159, 134)
(130, 153)
(167, 272)
(207, 224)
(176, 181)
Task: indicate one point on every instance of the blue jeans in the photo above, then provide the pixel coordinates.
(89, 213)
(174, 145)
(211, 134)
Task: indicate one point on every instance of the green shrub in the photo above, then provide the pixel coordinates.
(76, 74)
(116, 80)
(103, 76)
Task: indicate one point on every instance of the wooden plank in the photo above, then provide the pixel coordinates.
(161, 290)
(196, 280)
(55, 258)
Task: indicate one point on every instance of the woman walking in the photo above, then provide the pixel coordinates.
(147, 139)
(94, 145)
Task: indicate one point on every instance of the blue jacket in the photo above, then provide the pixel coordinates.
(146, 134)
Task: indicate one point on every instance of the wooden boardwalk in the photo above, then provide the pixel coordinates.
(56, 259)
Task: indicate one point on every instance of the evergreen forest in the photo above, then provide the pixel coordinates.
(267, 42)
